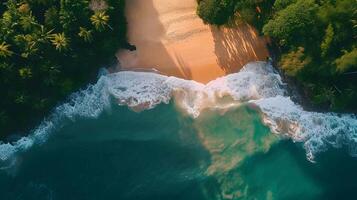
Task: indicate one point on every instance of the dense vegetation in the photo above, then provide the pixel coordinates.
(48, 49)
(316, 41)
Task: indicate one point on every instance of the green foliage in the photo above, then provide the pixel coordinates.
(48, 49)
(52, 18)
(215, 11)
(290, 23)
(100, 20)
(87, 35)
(5, 50)
(27, 21)
(72, 13)
(347, 62)
(316, 39)
(329, 25)
(25, 73)
(60, 41)
(282, 4)
(324, 95)
(326, 43)
(293, 62)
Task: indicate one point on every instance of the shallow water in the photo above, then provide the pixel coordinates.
(229, 139)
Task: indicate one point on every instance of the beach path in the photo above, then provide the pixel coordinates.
(172, 39)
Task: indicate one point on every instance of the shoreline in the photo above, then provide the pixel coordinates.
(296, 90)
(171, 38)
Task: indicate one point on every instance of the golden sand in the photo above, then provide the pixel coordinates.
(172, 39)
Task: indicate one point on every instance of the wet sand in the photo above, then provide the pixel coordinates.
(172, 39)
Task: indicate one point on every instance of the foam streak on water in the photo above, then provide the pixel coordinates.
(257, 84)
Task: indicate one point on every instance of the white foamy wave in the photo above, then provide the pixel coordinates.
(142, 90)
(257, 83)
(87, 103)
(254, 81)
(317, 131)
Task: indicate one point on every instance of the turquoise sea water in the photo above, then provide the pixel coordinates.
(165, 153)
(158, 154)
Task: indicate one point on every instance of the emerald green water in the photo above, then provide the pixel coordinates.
(163, 154)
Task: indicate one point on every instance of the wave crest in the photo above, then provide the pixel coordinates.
(316, 130)
(257, 84)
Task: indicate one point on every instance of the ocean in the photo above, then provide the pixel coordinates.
(139, 135)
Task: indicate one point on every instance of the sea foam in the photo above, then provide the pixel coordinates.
(256, 84)
(316, 130)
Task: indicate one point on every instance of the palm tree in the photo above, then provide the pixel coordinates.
(43, 35)
(31, 43)
(28, 21)
(60, 41)
(25, 72)
(85, 34)
(100, 20)
(4, 50)
(31, 46)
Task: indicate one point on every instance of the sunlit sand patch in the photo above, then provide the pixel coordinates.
(171, 38)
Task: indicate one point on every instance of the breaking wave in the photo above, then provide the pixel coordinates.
(256, 85)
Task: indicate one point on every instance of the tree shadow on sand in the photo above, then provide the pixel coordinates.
(238, 46)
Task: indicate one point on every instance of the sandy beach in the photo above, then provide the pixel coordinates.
(172, 39)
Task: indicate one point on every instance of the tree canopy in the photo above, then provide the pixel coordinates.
(290, 23)
(316, 41)
(215, 11)
(48, 49)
